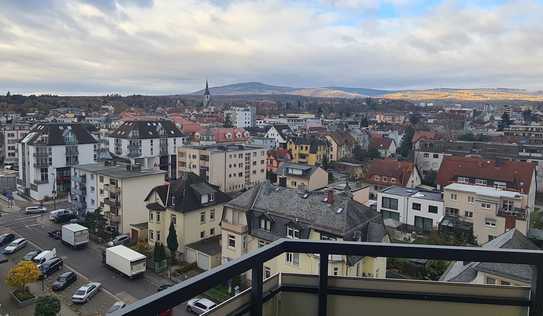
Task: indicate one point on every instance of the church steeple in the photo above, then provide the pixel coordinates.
(207, 95)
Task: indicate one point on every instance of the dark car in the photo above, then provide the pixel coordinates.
(163, 287)
(30, 255)
(64, 218)
(51, 266)
(64, 280)
(55, 234)
(6, 239)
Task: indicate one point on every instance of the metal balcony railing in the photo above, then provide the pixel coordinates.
(517, 213)
(255, 260)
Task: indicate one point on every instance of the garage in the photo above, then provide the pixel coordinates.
(206, 253)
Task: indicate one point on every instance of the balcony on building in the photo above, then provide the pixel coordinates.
(111, 188)
(322, 294)
(517, 213)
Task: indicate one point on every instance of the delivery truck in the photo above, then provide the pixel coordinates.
(75, 235)
(125, 260)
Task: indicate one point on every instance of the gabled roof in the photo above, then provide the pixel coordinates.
(147, 129)
(279, 154)
(517, 174)
(380, 142)
(513, 239)
(306, 170)
(313, 142)
(184, 194)
(342, 138)
(226, 134)
(419, 135)
(282, 129)
(58, 134)
(392, 168)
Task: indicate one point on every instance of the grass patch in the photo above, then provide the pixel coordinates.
(218, 294)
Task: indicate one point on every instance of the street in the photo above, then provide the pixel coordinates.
(85, 262)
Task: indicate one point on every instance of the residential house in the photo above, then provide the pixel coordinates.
(299, 176)
(151, 144)
(308, 150)
(115, 189)
(229, 166)
(267, 213)
(280, 133)
(383, 173)
(276, 157)
(492, 211)
(413, 208)
(361, 137)
(195, 208)
(490, 273)
(221, 135)
(386, 146)
(46, 155)
(341, 145)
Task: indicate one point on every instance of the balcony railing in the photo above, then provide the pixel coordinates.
(517, 213)
(181, 292)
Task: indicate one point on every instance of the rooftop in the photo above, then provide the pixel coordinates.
(119, 171)
(415, 193)
(482, 190)
(224, 148)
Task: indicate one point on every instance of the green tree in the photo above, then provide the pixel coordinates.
(373, 153)
(405, 146)
(325, 164)
(505, 122)
(228, 121)
(172, 242)
(47, 306)
(159, 253)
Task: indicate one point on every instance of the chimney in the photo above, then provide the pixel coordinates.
(330, 196)
(510, 222)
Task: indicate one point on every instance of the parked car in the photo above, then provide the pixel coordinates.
(31, 255)
(200, 305)
(54, 214)
(35, 210)
(115, 307)
(84, 293)
(6, 239)
(55, 234)
(64, 280)
(164, 286)
(45, 256)
(64, 218)
(50, 266)
(15, 246)
(119, 240)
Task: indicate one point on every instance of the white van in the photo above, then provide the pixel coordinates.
(54, 214)
(44, 256)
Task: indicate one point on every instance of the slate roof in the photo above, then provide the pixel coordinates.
(53, 134)
(282, 129)
(513, 239)
(147, 130)
(210, 246)
(307, 170)
(400, 170)
(313, 142)
(342, 138)
(517, 174)
(184, 195)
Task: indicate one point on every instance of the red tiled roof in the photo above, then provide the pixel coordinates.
(380, 142)
(187, 126)
(342, 138)
(517, 174)
(424, 135)
(391, 168)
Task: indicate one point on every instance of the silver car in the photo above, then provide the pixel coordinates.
(119, 240)
(84, 293)
(200, 305)
(35, 210)
(15, 246)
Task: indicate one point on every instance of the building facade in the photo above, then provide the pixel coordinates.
(308, 150)
(303, 177)
(241, 117)
(11, 134)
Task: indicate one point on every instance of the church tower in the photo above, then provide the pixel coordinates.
(207, 96)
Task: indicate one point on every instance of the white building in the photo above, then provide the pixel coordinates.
(415, 208)
(279, 133)
(11, 134)
(47, 154)
(151, 144)
(241, 117)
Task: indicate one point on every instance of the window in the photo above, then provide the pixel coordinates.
(267, 272)
(490, 222)
(293, 258)
(463, 180)
(158, 235)
(158, 217)
(426, 155)
(471, 199)
(211, 197)
(151, 216)
(336, 271)
(451, 211)
(151, 234)
(432, 209)
(212, 215)
(390, 203)
(468, 214)
(491, 237)
(507, 205)
(436, 155)
(202, 234)
(202, 217)
(212, 232)
(480, 182)
(173, 219)
(486, 205)
(454, 196)
(416, 206)
(392, 215)
(423, 224)
(505, 283)
(293, 233)
(44, 175)
(490, 280)
(265, 223)
(231, 241)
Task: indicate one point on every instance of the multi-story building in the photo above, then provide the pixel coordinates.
(118, 189)
(533, 133)
(267, 213)
(280, 133)
(492, 211)
(221, 135)
(341, 145)
(151, 144)
(383, 173)
(195, 208)
(418, 209)
(241, 117)
(11, 134)
(298, 176)
(46, 155)
(231, 167)
(514, 176)
(308, 150)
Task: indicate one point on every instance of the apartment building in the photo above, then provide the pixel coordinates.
(304, 177)
(492, 211)
(118, 189)
(231, 167)
(383, 173)
(514, 176)
(151, 144)
(221, 135)
(241, 117)
(532, 133)
(267, 213)
(195, 208)
(416, 209)
(46, 155)
(341, 145)
(11, 134)
(308, 150)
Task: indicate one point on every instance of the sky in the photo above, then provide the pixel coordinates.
(93, 47)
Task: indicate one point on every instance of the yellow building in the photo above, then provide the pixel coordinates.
(308, 150)
(267, 213)
(195, 208)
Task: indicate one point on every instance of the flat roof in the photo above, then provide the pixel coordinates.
(118, 171)
(414, 193)
(225, 147)
(210, 246)
(482, 190)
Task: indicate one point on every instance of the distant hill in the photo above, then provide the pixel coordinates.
(498, 94)
(363, 91)
(247, 88)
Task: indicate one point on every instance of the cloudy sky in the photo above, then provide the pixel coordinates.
(172, 46)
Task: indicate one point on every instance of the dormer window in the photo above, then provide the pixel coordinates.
(211, 197)
(265, 223)
(293, 233)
